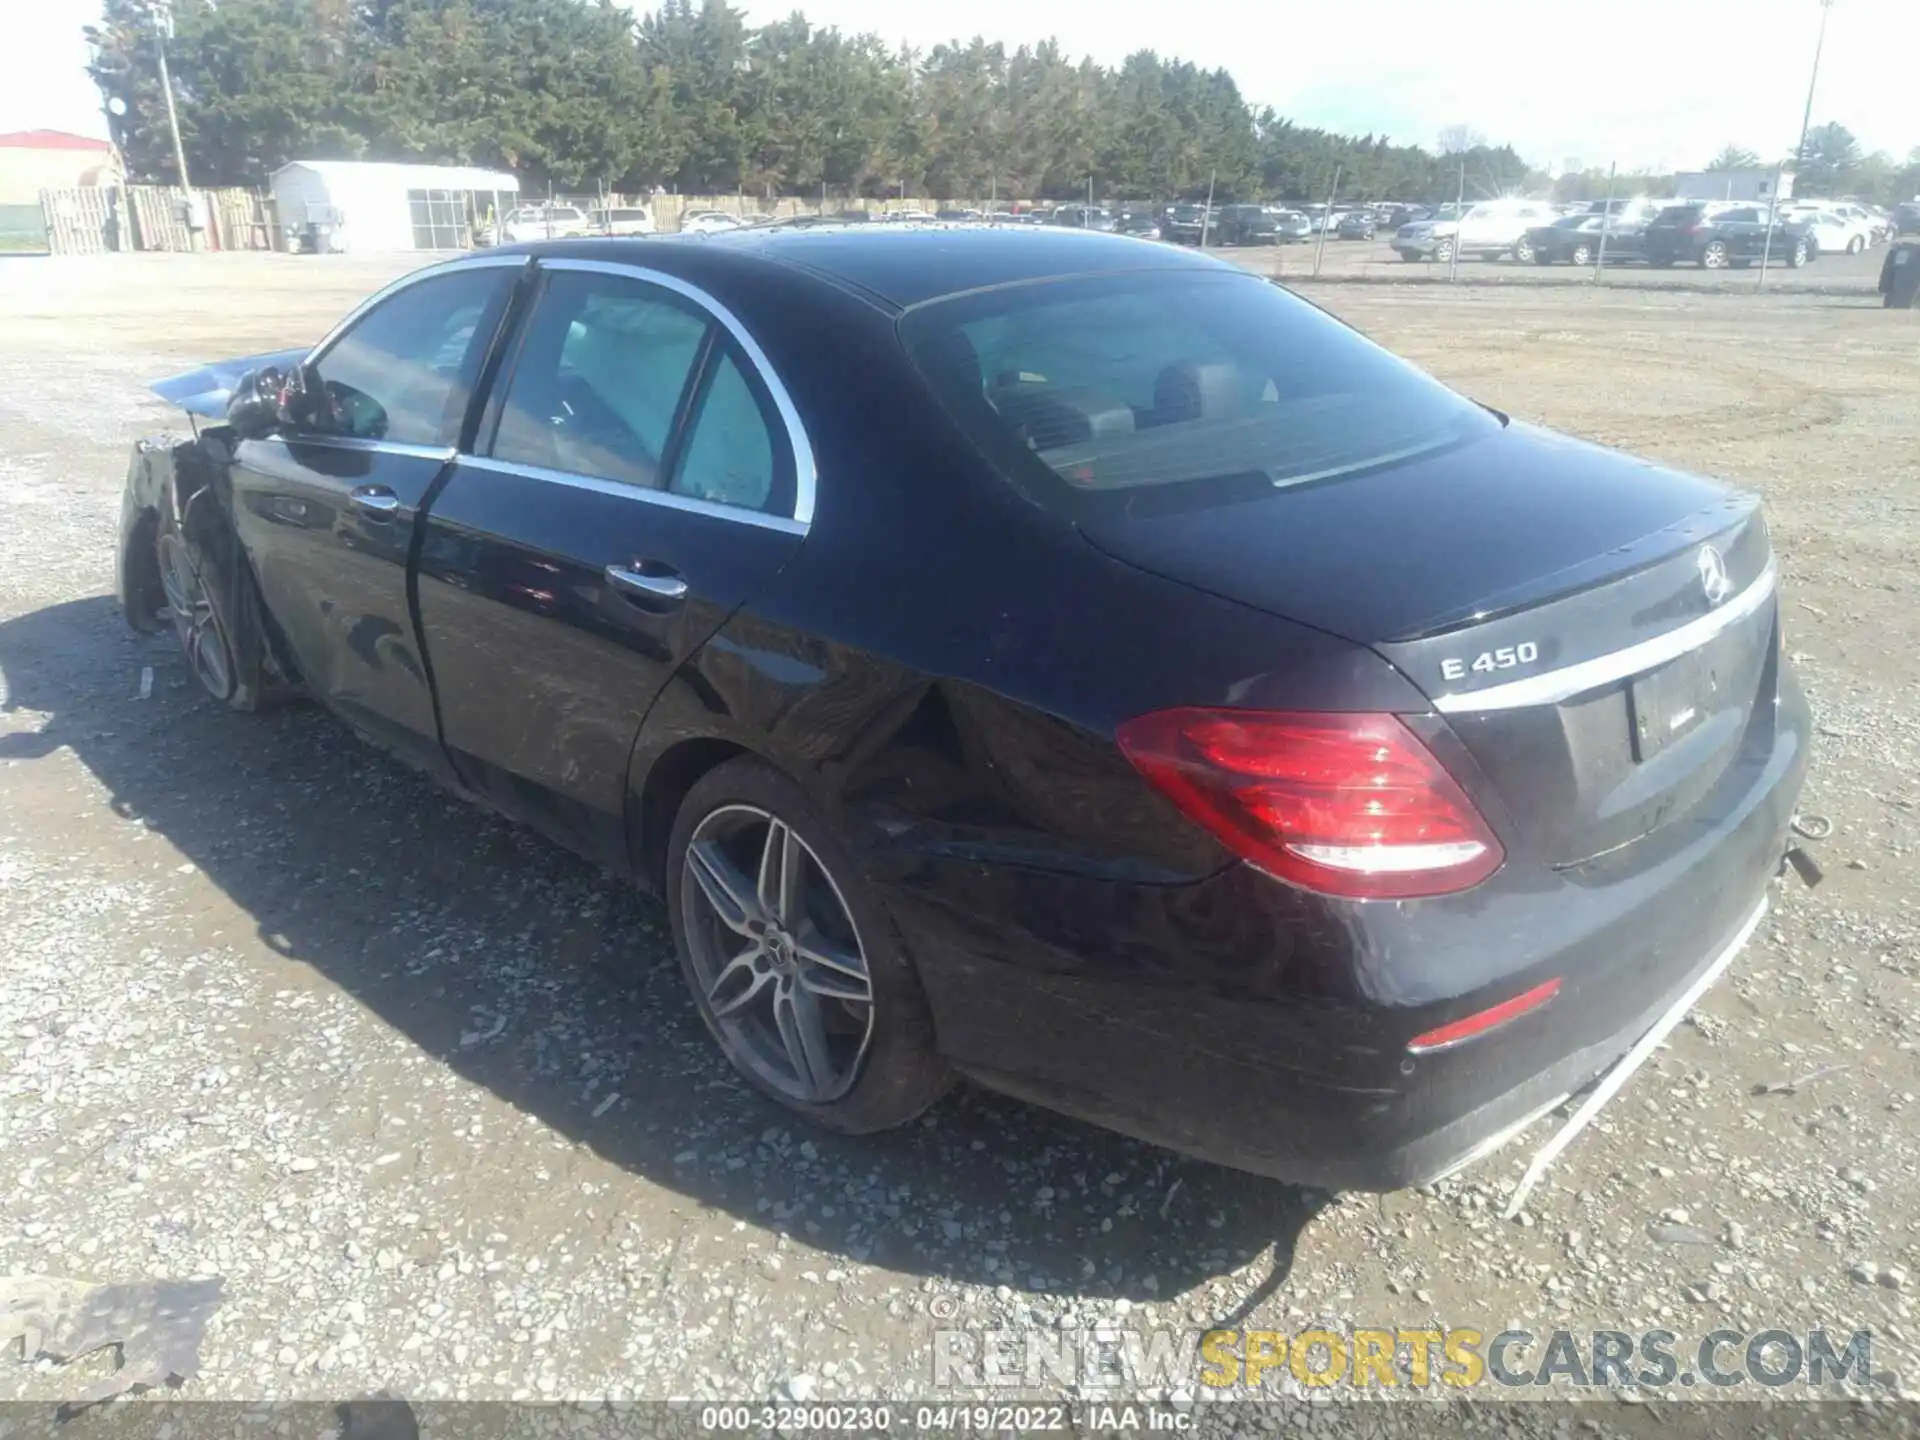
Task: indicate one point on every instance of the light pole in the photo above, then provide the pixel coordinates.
(1799, 151)
(1806, 116)
(162, 13)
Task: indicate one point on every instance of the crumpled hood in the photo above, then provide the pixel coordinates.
(205, 391)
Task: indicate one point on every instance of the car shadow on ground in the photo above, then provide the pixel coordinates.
(530, 972)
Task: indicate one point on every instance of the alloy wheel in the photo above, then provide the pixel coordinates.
(1714, 256)
(194, 620)
(776, 955)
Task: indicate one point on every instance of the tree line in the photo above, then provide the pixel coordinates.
(583, 95)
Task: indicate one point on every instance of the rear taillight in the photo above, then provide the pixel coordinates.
(1350, 805)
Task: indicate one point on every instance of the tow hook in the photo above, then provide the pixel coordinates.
(1808, 827)
(1803, 865)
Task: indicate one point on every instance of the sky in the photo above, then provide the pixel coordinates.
(1655, 84)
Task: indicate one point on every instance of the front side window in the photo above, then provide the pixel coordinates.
(1092, 389)
(600, 377)
(402, 373)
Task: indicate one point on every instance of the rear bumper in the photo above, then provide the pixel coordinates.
(1249, 1024)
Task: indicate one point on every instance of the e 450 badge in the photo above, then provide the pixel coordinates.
(1489, 662)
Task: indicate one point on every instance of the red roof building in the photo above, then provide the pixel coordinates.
(36, 160)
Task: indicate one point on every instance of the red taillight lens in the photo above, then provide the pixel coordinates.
(1348, 805)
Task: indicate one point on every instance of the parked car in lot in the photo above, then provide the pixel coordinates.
(1568, 240)
(1177, 711)
(1490, 230)
(620, 220)
(960, 215)
(708, 222)
(1187, 224)
(1141, 224)
(1356, 225)
(1290, 227)
(1835, 233)
(1716, 236)
(1246, 225)
(543, 222)
(1081, 217)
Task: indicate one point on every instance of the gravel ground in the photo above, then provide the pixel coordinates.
(425, 1091)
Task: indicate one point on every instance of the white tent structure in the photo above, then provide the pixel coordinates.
(361, 205)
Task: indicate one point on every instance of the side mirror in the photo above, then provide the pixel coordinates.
(253, 411)
(303, 400)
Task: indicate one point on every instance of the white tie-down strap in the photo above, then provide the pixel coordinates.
(1615, 1078)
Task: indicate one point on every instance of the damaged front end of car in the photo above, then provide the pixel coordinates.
(179, 561)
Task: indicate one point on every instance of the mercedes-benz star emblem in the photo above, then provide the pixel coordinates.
(1713, 574)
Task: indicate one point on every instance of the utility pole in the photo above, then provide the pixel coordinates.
(1813, 83)
(1459, 209)
(1326, 220)
(162, 13)
(1606, 221)
(1799, 151)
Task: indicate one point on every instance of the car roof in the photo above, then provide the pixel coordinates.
(902, 265)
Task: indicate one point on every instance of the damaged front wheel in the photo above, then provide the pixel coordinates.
(212, 606)
(190, 607)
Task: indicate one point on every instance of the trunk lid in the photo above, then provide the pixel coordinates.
(1598, 631)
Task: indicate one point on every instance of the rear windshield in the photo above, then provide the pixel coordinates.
(1220, 384)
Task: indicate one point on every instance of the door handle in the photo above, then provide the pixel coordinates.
(376, 502)
(669, 587)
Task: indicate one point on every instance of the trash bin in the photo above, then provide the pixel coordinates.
(1900, 276)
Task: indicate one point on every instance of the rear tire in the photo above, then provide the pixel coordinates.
(1443, 252)
(1583, 255)
(1714, 257)
(1799, 255)
(1856, 245)
(787, 1022)
(1523, 250)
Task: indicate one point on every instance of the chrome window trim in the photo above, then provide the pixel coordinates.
(805, 477)
(1553, 686)
(412, 277)
(442, 453)
(666, 498)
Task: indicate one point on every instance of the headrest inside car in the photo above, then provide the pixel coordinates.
(1190, 391)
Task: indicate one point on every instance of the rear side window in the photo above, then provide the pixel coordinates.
(599, 378)
(730, 457)
(1109, 385)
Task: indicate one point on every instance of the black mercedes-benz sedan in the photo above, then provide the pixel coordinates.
(1036, 655)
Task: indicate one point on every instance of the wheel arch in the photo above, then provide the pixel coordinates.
(656, 802)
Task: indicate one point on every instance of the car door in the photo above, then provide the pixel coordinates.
(326, 509)
(639, 475)
(1744, 230)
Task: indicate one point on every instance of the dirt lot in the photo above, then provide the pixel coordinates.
(425, 1091)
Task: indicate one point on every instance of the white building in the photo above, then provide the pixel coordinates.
(1754, 186)
(370, 205)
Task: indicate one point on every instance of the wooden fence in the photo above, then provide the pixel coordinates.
(95, 220)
